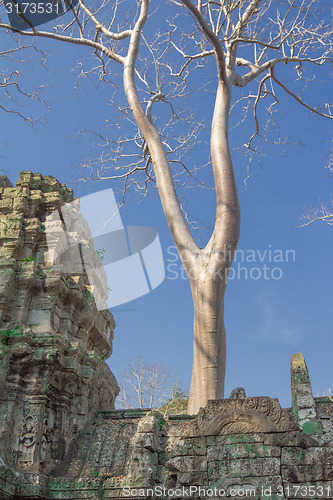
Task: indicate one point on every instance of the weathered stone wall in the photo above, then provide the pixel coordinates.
(59, 435)
(53, 379)
(238, 448)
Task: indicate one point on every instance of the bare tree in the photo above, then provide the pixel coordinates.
(249, 40)
(144, 385)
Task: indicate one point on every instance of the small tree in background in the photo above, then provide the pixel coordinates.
(176, 404)
(149, 385)
(143, 385)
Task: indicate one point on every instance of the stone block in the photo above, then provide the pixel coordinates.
(147, 424)
(296, 438)
(192, 479)
(244, 467)
(49, 184)
(20, 205)
(6, 205)
(10, 192)
(187, 464)
(236, 438)
(264, 467)
(25, 178)
(298, 456)
(240, 450)
(306, 414)
(146, 441)
(190, 446)
(303, 473)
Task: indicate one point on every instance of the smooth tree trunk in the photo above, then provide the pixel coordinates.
(209, 347)
(207, 268)
(209, 276)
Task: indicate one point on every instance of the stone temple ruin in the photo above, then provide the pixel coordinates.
(60, 437)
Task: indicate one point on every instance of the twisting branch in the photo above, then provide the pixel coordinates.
(255, 114)
(314, 110)
(165, 184)
(211, 36)
(100, 27)
(63, 38)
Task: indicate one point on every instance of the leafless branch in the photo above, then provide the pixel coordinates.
(323, 213)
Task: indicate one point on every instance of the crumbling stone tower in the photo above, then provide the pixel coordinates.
(53, 340)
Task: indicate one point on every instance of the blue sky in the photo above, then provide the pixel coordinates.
(267, 320)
